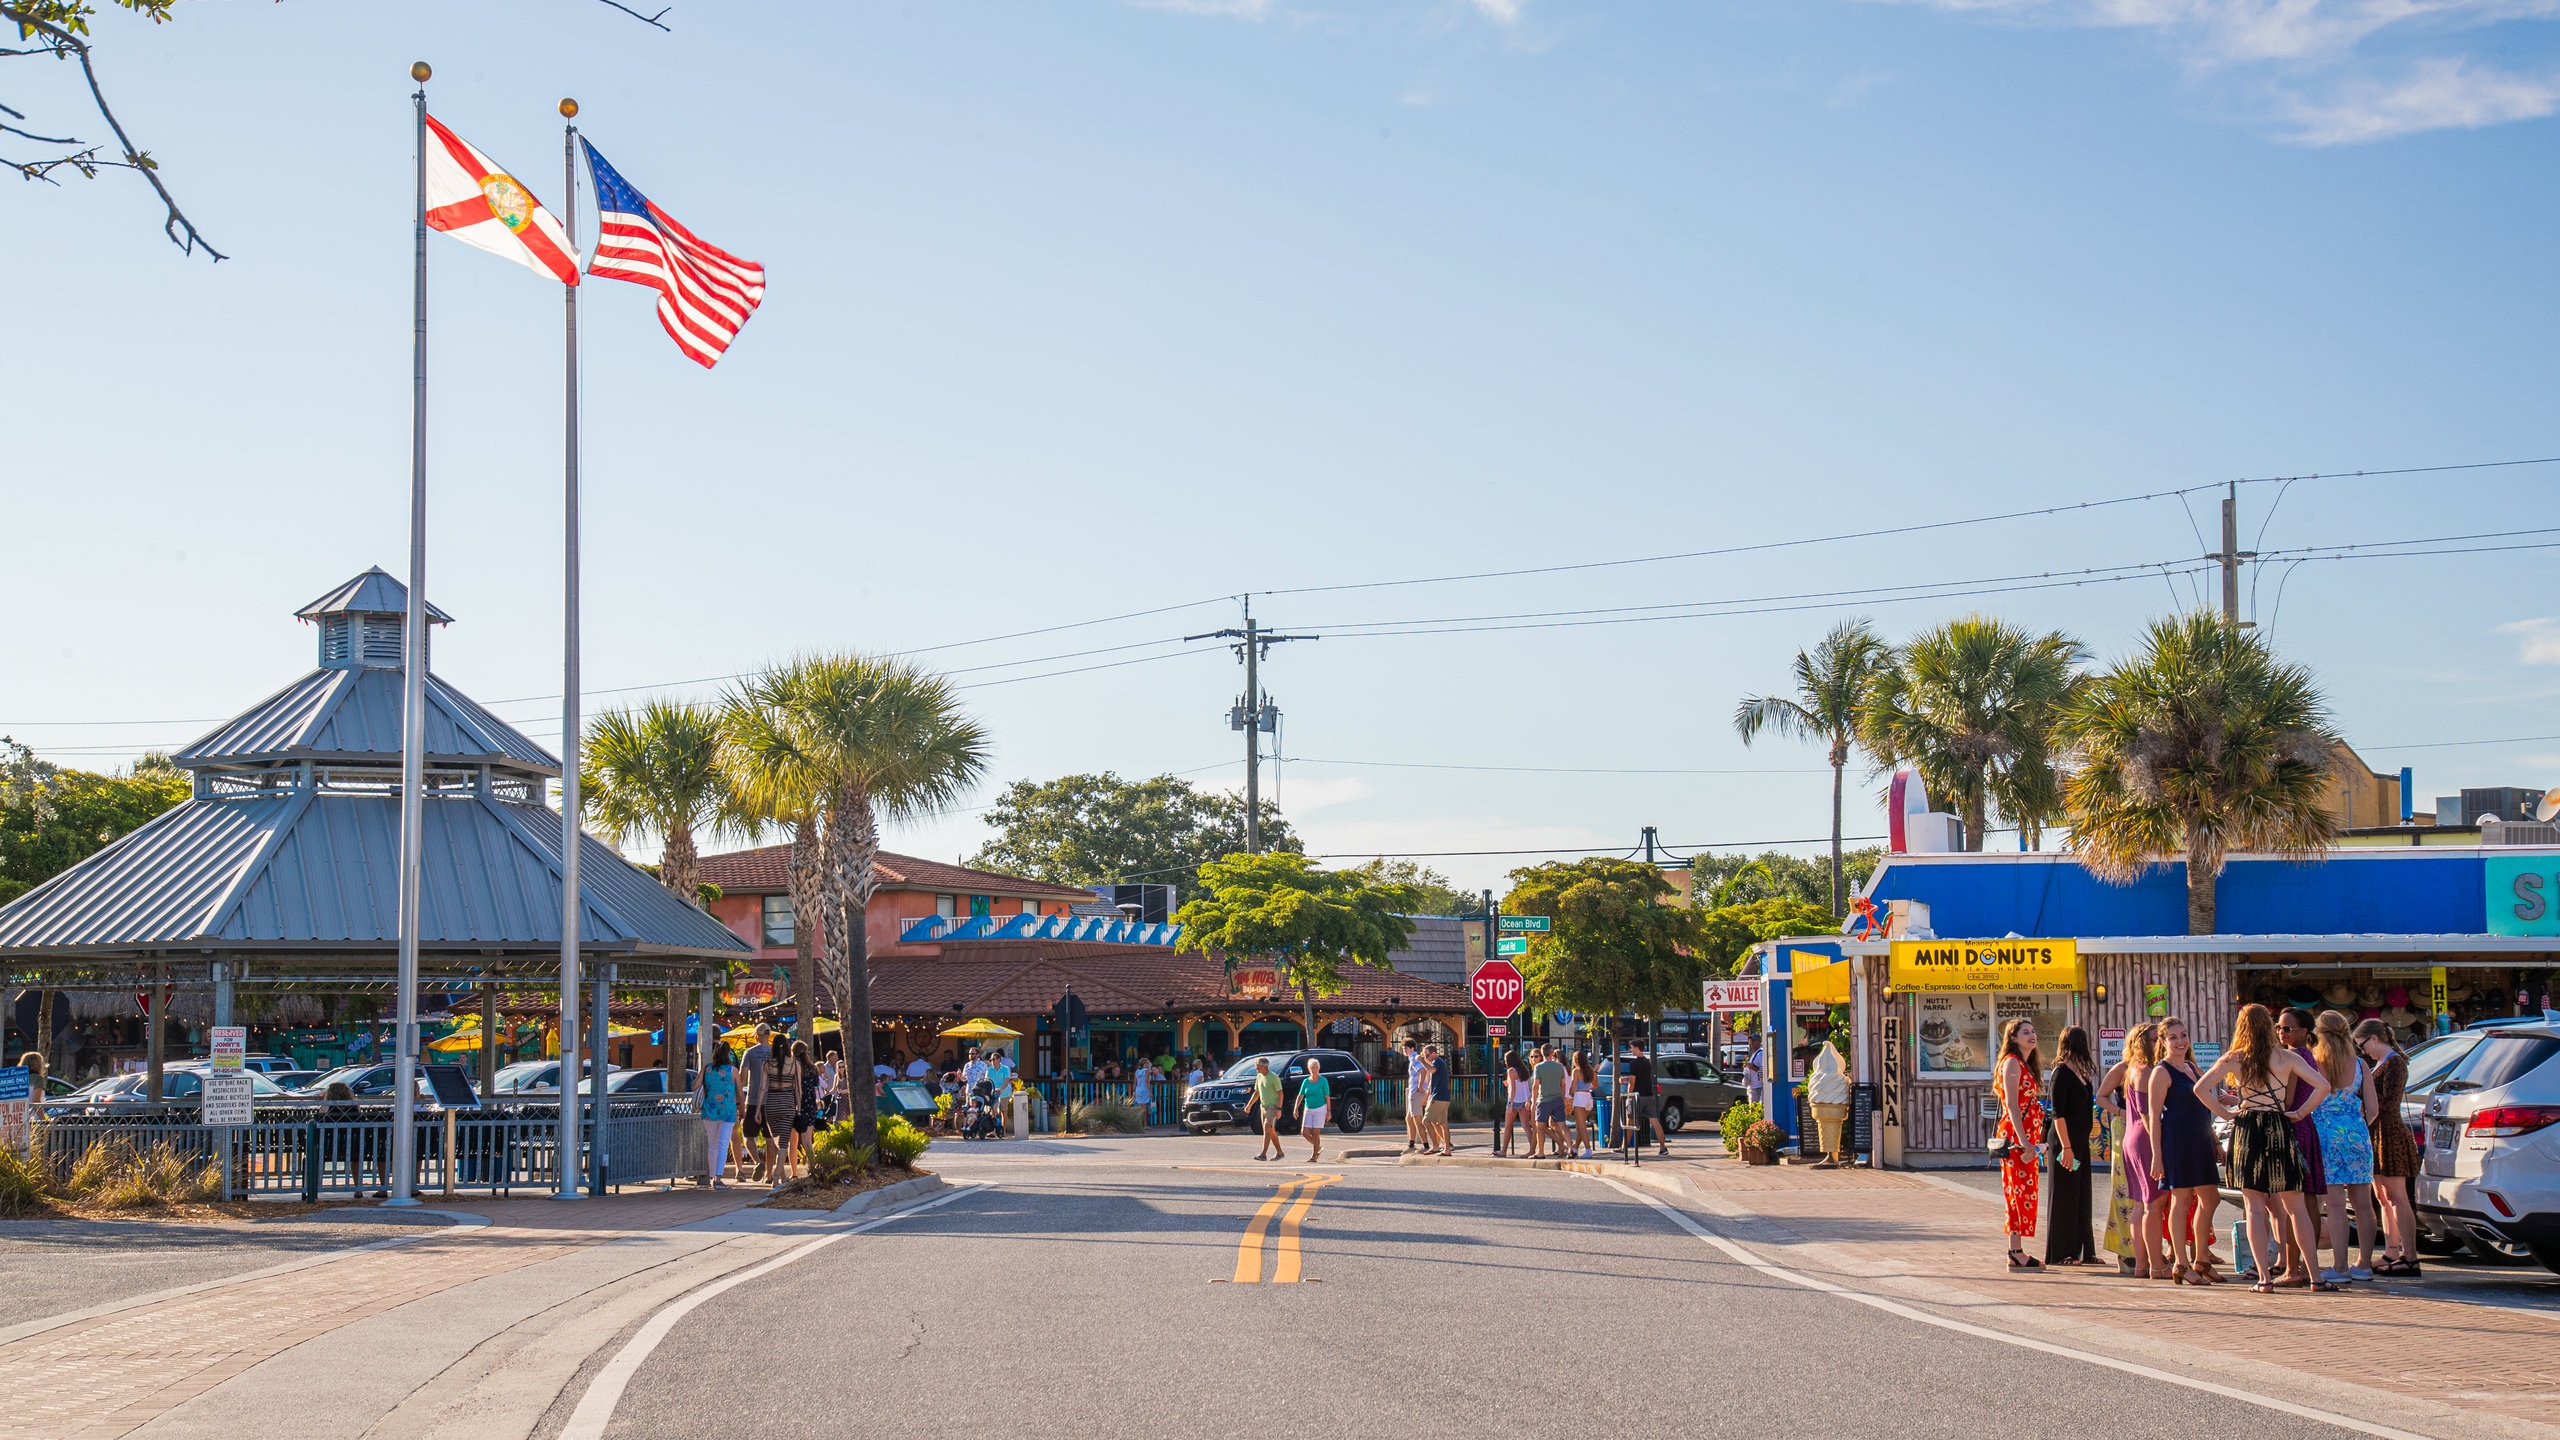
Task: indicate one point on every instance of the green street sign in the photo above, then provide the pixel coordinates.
(1511, 945)
(1537, 924)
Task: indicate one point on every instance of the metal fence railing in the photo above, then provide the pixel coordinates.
(480, 1150)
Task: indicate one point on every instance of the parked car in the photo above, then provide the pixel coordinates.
(295, 1080)
(543, 1077)
(618, 1081)
(368, 1082)
(2491, 1168)
(1228, 1100)
(1692, 1089)
(179, 1083)
(270, 1066)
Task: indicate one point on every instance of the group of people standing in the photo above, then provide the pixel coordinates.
(1554, 1097)
(2314, 1107)
(764, 1105)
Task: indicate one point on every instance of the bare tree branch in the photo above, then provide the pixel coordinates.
(643, 19)
(180, 230)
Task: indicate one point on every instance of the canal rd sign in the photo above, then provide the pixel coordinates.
(1511, 945)
(1535, 924)
(1497, 989)
(1732, 995)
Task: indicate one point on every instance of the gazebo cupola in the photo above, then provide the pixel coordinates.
(361, 622)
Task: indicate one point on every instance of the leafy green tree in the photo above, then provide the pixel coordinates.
(1737, 879)
(1832, 683)
(1279, 906)
(1971, 705)
(656, 770)
(856, 739)
(1101, 829)
(2203, 743)
(1436, 896)
(52, 819)
(1622, 942)
(1727, 933)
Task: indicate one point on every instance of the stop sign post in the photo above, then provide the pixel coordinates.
(1497, 989)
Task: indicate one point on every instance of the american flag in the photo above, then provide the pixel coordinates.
(704, 292)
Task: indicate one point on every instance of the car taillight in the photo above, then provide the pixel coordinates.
(2512, 1119)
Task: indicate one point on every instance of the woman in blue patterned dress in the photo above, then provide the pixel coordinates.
(2346, 1142)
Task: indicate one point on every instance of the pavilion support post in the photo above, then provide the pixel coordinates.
(706, 1024)
(157, 1025)
(221, 992)
(488, 1038)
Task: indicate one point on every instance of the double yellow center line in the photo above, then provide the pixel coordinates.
(1301, 1191)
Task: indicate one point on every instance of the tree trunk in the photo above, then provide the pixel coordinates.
(2200, 885)
(1307, 1003)
(44, 1035)
(680, 866)
(1974, 818)
(808, 903)
(853, 840)
(1839, 901)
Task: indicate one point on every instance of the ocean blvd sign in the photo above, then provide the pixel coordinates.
(1985, 965)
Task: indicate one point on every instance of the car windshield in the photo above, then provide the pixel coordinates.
(1243, 1069)
(2434, 1060)
(2501, 1060)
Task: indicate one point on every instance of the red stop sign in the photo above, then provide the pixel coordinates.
(1497, 989)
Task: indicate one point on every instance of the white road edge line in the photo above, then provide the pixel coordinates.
(596, 1407)
(2247, 1397)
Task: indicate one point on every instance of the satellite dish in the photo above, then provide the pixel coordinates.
(2549, 809)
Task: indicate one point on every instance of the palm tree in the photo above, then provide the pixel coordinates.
(1832, 681)
(773, 781)
(859, 739)
(1971, 705)
(656, 771)
(2204, 743)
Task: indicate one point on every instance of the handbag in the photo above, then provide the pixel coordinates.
(1997, 1147)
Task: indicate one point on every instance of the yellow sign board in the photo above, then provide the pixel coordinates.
(1986, 965)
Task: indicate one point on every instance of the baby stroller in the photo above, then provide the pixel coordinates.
(978, 1120)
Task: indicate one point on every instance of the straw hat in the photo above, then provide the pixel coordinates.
(2340, 995)
(2370, 996)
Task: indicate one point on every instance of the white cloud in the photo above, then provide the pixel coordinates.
(2337, 71)
(2538, 639)
(1241, 9)
(1500, 12)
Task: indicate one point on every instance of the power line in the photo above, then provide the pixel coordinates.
(1547, 769)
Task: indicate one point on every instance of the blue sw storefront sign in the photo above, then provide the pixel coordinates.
(2523, 894)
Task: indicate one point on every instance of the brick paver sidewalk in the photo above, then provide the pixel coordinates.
(1897, 1232)
(100, 1378)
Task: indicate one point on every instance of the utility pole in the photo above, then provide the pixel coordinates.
(1255, 715)
(2230, 555)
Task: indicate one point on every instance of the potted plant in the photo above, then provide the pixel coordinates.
(1740, 1116)
(1760, 1143)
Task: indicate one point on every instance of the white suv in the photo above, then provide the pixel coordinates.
(2492, 1162)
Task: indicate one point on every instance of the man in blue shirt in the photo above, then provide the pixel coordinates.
(1436, 1128)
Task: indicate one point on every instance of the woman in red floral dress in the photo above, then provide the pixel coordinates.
(2022, 1125)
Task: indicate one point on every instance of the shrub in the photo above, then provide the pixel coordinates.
(1738, 1119)
(900, 1142)
(1106, 1114)
(1764, 1135)
(834, 1157)
(113, 1175)
(26, 1185)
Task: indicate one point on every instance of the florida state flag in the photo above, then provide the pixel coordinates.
(481, 205)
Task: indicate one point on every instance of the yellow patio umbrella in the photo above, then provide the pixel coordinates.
(982, 1030)
(466, 1038)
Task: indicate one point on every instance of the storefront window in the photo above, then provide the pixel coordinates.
(1958, 1033)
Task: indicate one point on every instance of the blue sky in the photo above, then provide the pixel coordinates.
(1085, 308)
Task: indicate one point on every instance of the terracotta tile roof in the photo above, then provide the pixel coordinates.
(767, 870)
(1024, 977)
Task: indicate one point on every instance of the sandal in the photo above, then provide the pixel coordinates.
(2264, 1286)
(2328, 1287)
(2021, 1260)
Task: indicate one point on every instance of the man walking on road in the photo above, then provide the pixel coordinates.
(1547, 1130)
(755, 1135)
(1266, 1098)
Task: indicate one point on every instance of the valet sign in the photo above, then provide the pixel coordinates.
(1923, 965)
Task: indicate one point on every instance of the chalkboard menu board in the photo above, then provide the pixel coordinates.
(1808, 1134)
(1862, 1119)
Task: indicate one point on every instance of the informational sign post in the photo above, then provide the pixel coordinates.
(1529, 924)
(230, 1047)
(1732, 996)
(1511, 945)
(16, 1094)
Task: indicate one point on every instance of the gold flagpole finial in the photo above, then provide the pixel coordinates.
(420, 71)
(569, 109)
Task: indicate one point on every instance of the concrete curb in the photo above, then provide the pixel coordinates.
(887, 1195)
(1656, 1180)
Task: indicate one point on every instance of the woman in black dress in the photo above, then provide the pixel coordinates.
(2069, 1099)
(2184, 1156)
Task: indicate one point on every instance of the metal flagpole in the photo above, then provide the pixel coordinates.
(571, 906)
(413, 724)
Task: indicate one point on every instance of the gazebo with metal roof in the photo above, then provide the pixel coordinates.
(282, 870)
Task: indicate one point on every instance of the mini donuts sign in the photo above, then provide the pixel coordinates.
(1985, 965)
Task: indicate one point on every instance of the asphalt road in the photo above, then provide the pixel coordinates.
(1099, 1297)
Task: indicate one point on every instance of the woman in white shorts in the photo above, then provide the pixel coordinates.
(1585, 1085)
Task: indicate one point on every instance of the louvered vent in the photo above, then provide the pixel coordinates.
(335, 641)
(382, 641)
